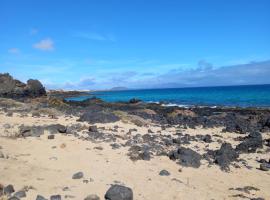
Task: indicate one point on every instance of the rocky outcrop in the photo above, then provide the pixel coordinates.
(12, 88)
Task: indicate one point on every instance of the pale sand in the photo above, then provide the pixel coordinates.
(33, 162)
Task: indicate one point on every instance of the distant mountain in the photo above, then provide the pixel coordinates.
(118, 88)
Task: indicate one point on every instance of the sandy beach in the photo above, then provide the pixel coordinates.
(45, 166)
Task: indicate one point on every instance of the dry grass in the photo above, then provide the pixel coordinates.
(127, 118)
(10, 103)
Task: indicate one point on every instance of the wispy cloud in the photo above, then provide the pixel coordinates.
(94, 36)
(45, 45)
(14, 50)
(33, 31)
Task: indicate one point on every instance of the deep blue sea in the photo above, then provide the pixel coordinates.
(235, 96)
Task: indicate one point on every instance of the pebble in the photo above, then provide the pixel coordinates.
(164, 173)
(92, 197)
(77, 175)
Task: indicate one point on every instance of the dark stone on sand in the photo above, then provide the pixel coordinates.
(93, 129)
(55, 197)
(186, 157)
(207, 139)
(77, 175)
(50, 137)
(225, 155)
(9, 189)
(92, 197)
(13, 198)
(164, 173)
(145, 155)
(119, 192)
(20, 194)
(251, 143)
(2, 155)
(39, 197)
(265, 166)
(56, 128)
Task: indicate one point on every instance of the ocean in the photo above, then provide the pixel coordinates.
(231, 96)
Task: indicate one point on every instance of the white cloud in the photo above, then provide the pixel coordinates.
(95, 36)
(14, 50)
(45, 45)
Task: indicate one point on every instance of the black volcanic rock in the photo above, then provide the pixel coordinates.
(186, 157)
(119, 192)
(12, 88)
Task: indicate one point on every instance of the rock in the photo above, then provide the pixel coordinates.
(207, 138)
(134, 100)
(150, 131)
(31, 131)
(265, 166)
(50, 137)
(34, 88)
(39, 197)
(9, 189)
(55, 197)
(186, 157)
(145, 155)
(225, 155)
(20, 194)
(2, 155)
(119, 192)
(92, 197)
(12, 88)
(250, 143)
(56, 128)
(164, 173)
(93, 129)
(13, 198)
(77, 175)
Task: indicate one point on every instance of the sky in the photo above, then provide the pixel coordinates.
(100, 44)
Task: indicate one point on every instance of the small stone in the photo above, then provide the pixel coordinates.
(50, 137)
(77, 175)
(2, 155)
(93, 129)
(119, 192)
(20, 194)
(8, 189)
(92, 197)
(39, 197)
(55, 197)
(164, 173)
(66, 189)
(265, 167)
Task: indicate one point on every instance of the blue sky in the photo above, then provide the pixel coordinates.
(97, 44)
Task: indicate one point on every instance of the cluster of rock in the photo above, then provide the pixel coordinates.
(115, 192)
(12, 88)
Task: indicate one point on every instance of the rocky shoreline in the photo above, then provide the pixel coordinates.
(220, 140)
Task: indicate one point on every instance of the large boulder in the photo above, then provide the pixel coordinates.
(12, 88)
(225, 155)
(251, 143)
(34, 88)
(186, 157)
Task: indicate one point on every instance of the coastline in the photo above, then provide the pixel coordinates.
(95, 144)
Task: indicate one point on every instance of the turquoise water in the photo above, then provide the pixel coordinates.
(242, 96)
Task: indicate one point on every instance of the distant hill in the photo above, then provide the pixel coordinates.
(118, 88)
